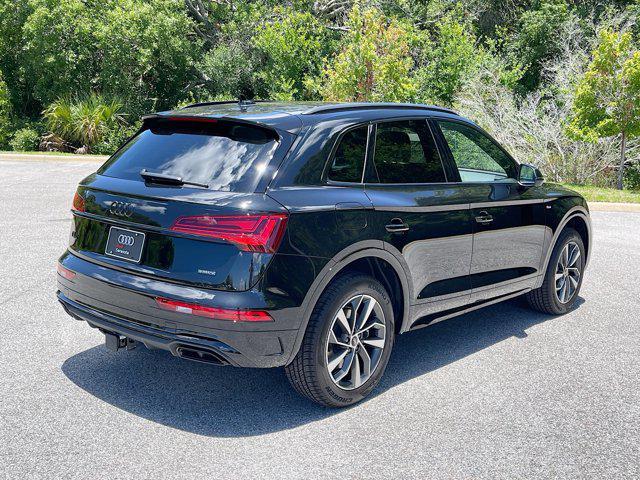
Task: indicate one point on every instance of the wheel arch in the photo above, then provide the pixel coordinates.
(365, 258)
(578, 219)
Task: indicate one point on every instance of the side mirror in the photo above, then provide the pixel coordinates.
(529, 176)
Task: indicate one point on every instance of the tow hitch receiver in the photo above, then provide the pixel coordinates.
(115, 342)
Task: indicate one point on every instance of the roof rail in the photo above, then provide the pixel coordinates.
(240, 103)
(335, 107)
(202, 104)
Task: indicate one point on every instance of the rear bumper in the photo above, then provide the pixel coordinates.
(119, 303)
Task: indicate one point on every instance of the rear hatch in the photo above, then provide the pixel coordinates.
(184, 201)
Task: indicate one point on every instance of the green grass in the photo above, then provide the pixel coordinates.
(604, 194)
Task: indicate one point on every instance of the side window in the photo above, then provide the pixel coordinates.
(477, 157)
(348, 160)
(406, 153)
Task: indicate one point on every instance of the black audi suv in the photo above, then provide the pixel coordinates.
(309, 235)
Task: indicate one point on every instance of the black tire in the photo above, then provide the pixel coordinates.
(308, 372)
(545, 298)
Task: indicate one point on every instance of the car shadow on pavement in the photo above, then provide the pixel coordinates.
(227, 401)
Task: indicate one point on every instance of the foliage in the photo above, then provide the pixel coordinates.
(374, 62)
(230, 72)
(114, 137)
(295, 46)
(147, 57)
(140, 51)
(12, 18)
(516, 67)
(82, 122)
(25, 140)
(59, 49)
(446, 62)
(230, 69)
(607, 99)
(537, 38)
(533, 128)
(5, 114)
(632, 176)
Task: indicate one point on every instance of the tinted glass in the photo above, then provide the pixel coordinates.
(478, 157)
(348, 160)
(406, 153)
(225, 156)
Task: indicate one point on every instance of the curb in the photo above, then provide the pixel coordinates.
(614, 207)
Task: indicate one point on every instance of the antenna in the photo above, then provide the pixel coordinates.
(243, 104)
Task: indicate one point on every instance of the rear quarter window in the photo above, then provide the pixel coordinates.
(226, 156)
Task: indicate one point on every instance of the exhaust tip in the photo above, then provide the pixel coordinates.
(200, 355)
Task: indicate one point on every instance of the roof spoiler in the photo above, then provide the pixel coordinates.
(146, 119)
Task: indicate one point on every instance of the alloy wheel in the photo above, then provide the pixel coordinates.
(355, 342)
(567, 277)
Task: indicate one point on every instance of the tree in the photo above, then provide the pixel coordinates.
(295, 45)
(59, 51)
(607, 98)
(12, 18)
(445, 62)
(147, 55)
(374, 63)
(5, 114)
(537, 38)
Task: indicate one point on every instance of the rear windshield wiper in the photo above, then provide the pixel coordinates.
(158, 177)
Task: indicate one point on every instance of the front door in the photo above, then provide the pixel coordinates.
(508, 218)
(424, 220)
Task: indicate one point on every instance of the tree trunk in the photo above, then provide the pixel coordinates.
(623, 152)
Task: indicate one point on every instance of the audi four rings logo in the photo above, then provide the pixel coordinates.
(127, 240)
(121, 209)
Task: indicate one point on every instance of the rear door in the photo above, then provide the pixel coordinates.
(202, 220)
(508, 219)
(423, 218)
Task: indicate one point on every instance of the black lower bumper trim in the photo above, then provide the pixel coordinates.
(183, 346)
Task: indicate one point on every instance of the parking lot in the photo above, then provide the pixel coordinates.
(502, 392)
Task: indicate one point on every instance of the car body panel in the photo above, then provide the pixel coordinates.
(446, 263)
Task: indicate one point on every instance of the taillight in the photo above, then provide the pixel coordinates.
(66, 273)
(251, 233)
(78, 203)
(233, 315)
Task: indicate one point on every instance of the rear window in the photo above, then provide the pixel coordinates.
(226, 156)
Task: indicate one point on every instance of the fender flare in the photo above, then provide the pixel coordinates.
(577, 211)
(334, 267)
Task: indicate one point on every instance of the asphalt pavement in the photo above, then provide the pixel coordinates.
(503, 392)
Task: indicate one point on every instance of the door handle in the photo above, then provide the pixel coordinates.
(484, 218)
(397, 226)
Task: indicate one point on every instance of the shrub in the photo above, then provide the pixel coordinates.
(147, 52)
(295, 45)
(632, 176)
(5, 114)
(83, 122)
(230, 72)
(374, 63)
(114, 138)
(25, 140)
(445, 63)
